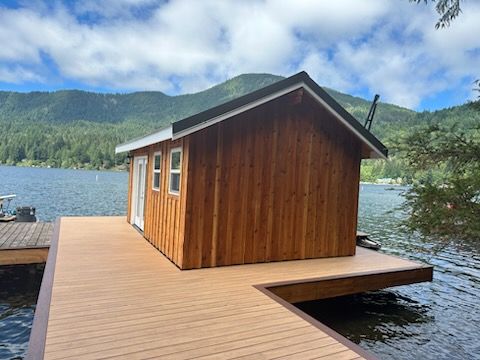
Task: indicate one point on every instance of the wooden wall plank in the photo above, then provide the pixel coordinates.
(183, 201)
(270, 191)
(130, 188)
(261, 177)
(248, 216)
(216, 197)
(274, 183)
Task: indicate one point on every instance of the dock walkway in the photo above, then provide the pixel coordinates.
(108, 293)
(24, 242)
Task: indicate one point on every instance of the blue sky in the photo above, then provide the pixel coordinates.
(361, 47)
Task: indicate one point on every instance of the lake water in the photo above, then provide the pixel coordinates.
(60, 192)
(438, 320)
(54, 192)
(19, 287)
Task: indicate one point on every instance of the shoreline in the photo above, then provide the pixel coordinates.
(113, 169)
(381, 183)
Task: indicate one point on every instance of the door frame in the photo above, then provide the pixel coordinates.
(135, 195)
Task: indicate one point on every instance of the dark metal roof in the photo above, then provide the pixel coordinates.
(205, 116)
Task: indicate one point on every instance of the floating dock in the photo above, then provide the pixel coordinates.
(24, 242)
(107, 293)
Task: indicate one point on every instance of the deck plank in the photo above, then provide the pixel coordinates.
(24, 242)
(37, 237)
(5, 233)
(11, 234)
(116, 296)
(15, 235)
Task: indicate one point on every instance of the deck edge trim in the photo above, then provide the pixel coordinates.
(38, 334)
(265, 289)
(420, 266)
(26, 248)
(329, 331)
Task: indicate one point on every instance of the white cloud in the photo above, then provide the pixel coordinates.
(325, 22)
(18, 75)
(319, 66)
(351, 45)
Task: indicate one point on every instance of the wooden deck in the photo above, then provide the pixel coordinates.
(24, 242)
(107, 293)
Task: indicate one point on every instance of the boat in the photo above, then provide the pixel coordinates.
(5, 213)
(364, 241)
(20, 214)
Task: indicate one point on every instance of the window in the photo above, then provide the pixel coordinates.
(175, 165)
(157, 169)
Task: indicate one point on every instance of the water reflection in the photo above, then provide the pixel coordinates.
(19, 287)
(373, 316)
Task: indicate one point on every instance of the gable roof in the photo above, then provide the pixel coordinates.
(256, 98)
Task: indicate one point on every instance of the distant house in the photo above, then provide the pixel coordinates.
(270, 176)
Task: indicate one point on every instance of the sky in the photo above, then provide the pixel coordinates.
(360, 47)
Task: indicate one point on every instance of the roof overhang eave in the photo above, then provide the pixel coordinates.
(156, 137)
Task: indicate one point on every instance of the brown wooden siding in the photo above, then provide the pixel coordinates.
(164, 212)
(277, 182)
(130, 191)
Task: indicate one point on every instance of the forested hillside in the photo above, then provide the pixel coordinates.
(80, 129)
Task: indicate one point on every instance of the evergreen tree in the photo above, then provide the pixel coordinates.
(445, 200)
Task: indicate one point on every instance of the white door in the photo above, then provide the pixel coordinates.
(139, 179)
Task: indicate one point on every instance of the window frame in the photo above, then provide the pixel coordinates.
(175, 171)
(157, 171)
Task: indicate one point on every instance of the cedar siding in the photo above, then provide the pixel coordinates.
(277, 182)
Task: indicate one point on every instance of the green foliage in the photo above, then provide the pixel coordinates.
(445, 198)
(395, 170)
(76, 144)
(447, 9)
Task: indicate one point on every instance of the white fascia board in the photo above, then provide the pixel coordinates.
(156, 137)
(346, 123)
(375, 155)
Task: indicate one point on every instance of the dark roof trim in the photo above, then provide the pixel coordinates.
(180, 128)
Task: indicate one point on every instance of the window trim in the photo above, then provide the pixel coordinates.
(175, 171)
(156, 171)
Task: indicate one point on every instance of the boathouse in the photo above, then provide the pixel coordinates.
(270, 176)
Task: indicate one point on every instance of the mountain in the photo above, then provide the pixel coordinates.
(154, 107)
(146, 106)
(72, 128)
